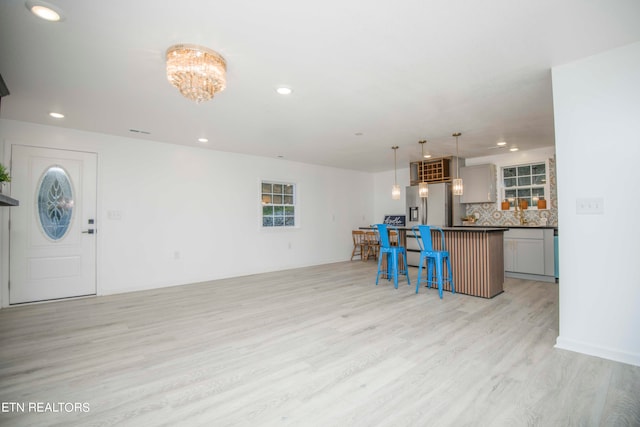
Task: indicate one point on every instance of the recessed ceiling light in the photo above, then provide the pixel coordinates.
(203, 140)
(501, 144)
(283, 90)
(427, 156)
(45, 11)
(513, 149)
(56, 115)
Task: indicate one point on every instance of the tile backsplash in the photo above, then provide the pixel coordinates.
(491, 214)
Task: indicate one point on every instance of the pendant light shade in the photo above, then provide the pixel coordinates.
(458, 187)
(423, 187)
(395, 192)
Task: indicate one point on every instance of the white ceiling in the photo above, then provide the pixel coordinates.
(396, 72)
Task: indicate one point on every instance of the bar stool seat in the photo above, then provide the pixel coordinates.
(393, 270)
(434, 258)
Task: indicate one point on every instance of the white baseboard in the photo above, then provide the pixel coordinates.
(602, 352)
(525, 276)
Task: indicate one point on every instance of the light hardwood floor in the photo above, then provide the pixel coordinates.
(318, 346)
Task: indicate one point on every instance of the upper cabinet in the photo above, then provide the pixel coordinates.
(479, 183)
(432, 170)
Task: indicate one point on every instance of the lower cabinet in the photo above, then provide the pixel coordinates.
(529, 251)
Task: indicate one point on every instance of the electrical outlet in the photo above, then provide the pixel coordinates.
(590, 206)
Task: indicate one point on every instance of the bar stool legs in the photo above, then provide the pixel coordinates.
(438, 259)
(392, 267)
(433, 256)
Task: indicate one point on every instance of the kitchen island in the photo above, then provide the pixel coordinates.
(477, 257)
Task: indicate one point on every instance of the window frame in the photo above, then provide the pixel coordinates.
(546, 186)
(282, 204)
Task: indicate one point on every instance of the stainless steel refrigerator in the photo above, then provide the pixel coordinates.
(433, 210)
(437, 210)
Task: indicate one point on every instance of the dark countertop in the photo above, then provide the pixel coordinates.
(481, 228)
(471, 228)
(476, 229)
(548, 227)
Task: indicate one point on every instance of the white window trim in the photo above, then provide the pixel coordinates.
(547, 186)
(296, 204)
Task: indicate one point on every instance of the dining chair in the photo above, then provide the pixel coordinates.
(359, 244)
(393, 237)
(372, 244)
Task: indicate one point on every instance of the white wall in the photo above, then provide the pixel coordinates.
(203, 204)
(597, 111)
(384, 204)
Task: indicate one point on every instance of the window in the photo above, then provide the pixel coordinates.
(278, 204)
(525, 182)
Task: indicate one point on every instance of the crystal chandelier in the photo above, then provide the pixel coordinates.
(198, 72)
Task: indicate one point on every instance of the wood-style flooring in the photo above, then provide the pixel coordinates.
(317, 346)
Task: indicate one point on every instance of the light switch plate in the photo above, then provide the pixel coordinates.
(114, 215)
(590, 206)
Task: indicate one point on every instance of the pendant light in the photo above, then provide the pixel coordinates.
(395, 192)
(423, 187)
(458, 188)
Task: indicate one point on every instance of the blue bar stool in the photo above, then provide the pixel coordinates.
(392, 256)
(433, 257)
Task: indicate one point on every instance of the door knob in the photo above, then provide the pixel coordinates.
(89, 231)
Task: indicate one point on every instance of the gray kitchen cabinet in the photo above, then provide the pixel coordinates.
(549, 253)
(479, 183)
(529, 253)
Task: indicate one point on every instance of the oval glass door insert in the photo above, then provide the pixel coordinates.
(55, 202)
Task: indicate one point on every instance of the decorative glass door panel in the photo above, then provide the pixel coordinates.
(55, 203)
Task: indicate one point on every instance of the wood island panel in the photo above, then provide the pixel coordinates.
(477, 259)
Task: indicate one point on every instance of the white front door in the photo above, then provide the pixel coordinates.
(52, 236)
